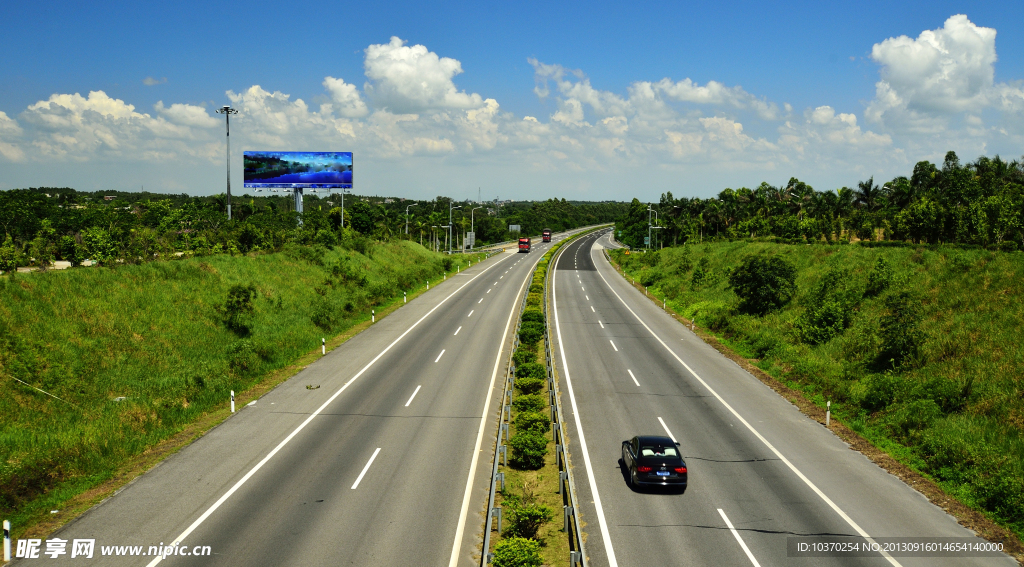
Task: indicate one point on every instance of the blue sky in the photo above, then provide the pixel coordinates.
(577, 100)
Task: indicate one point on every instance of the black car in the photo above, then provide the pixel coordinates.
(654, 461)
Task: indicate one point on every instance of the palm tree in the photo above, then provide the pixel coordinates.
(868, 195)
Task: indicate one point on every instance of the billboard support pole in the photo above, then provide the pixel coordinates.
(227, 111)
(298, 202)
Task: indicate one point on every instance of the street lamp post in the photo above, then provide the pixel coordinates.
(407, 217)
(450, 209)
(227, 111)
(472, 226)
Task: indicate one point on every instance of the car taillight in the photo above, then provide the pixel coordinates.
(643, 469)
(681, 470)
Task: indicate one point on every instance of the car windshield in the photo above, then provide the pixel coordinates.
(658, 451)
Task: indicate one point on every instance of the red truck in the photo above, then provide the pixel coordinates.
(546, 235)
(524, 245)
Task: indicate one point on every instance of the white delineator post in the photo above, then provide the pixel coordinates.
(7, 540)
(323, 346)
(232, 401)
(828, 412)
(405, 298)
(373, 315)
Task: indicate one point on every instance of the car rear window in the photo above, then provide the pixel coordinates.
(658, 451)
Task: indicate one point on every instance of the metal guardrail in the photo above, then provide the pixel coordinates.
(566, 485)
(501, 449)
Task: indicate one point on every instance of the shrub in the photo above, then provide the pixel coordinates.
(898, 328)
(324, 313)
(701, 274)
(238, 308)
(529, 402)
(531, 332)
(532, 421)
(244, 357)
(880, 278)
(528, 449)
(829, 307)
(517, 552)
(763, 283)
(529, 385)
(533, 316)
(530, 370)
(525, 519)
(522, 356)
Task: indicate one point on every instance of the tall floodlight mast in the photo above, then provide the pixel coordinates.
(227, 111)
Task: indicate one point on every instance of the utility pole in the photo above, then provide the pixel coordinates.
(407, 217)
(227, 111)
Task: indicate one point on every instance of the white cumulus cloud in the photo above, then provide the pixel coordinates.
(409, 80)
(942, 73)
(347, 98)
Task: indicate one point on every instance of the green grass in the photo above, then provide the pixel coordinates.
(954, 413)
(156, 335)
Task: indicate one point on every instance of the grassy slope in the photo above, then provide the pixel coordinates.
(154, 334)
(973, 312)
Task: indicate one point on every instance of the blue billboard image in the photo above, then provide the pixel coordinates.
(312, 170)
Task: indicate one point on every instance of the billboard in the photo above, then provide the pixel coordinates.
(290, 170)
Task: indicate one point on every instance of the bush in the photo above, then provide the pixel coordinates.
(324, 313)
(533, 316)
(522, 356)
(238, 309)
(879, 278)
(528, 449)
(530, 370)
(898, 328)
(529, 385)
(244, 358)
(529, 402)
(701, 274)
(525, 519)
(517, 552)
(763, 283)
(829, 308)
(532, 421)
(531, 332)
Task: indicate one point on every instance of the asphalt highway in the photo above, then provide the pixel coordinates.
(386, 463)
(759, 470)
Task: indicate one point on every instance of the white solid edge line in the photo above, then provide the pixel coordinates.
(439, 356)
(303, 425)
(602, 523)
(663, 426)
(771, 447)
(736, 534)
(457, 330)
(416, 391)
(613, 345)
(634, 380)
(460, 529)
(366, 468)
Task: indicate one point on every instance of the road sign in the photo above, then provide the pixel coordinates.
(647, 241)
(470, 239)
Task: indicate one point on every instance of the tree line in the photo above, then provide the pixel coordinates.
(41, 225)
(979, 203)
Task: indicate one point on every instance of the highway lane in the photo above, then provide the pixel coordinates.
(372, 467)
(754, 460)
